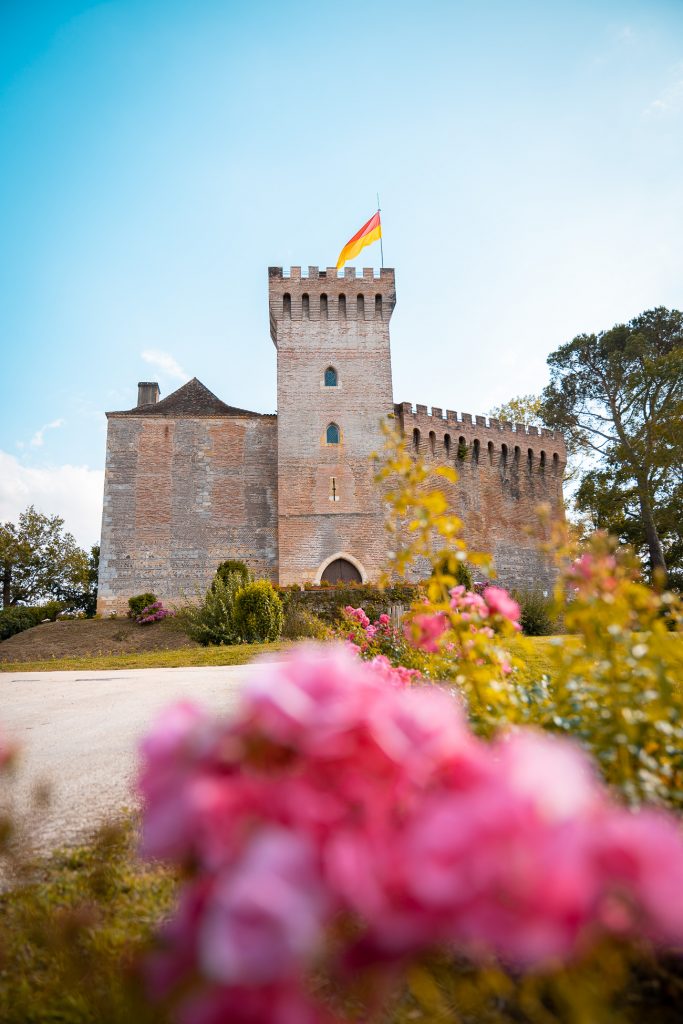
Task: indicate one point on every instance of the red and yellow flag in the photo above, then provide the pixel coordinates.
(368, 234)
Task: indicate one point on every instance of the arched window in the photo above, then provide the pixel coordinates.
(556, 464)
(332, 435)
(530, 459)
(378, 307)
(342, 307)
(490, 448)
(462, 449)
(287, 305)
(432, 442)
(330, 377)
(416, 439)
(503, 457)
(360, 307)
(518, 452)
(323, 307)
(541, 465)
(447, 444)
(305, 307)
(475, 453)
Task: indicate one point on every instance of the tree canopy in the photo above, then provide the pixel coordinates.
(39, 560)
(524, 409)
(618, 398)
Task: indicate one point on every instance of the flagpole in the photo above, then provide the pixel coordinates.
(381, 246)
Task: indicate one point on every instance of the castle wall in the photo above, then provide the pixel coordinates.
(505, 472)
(313, 331)
(180, 496)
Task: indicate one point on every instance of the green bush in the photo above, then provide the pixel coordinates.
(300, 624)
(212, 621)
(230, 567)
(537, 617)
(258, 613)
(137, 604)
(19, 617)
(328, 603)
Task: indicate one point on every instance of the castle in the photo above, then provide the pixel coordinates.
(191, 481)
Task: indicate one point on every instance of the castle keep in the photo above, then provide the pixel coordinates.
(191, 481)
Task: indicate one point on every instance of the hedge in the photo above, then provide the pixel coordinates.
(18, 618)
(329, 602)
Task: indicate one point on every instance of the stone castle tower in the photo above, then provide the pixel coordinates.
(191, 481)
(333, 389)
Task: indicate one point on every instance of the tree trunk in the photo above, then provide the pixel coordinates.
(654, 544)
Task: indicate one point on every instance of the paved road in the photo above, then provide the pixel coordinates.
(78, 731)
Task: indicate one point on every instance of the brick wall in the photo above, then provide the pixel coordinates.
(180, 496)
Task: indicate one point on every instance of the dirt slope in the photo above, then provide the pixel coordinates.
(74, 637)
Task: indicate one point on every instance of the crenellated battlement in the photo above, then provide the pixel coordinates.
(314, 294)
(447, 434)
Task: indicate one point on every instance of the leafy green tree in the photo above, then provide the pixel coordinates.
(39, 560)
(522, 409)
(618, 398)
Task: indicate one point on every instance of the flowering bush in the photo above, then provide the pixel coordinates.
(154, 612)
(331, 797)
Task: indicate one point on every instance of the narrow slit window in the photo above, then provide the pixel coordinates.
(475, 453)
(556, 464)
(530, 459)
(541, 464)
(432, 442)
(490, 448)
(416, 439)
(360, 307)
(447, 444)
(323, 307)
(330, 377)
(503, 457)
(518, 452)
(305, 307)
(462, 449)
(334, 489)
(342, 307)
(287, 306)
(332, 434)
(378, 307)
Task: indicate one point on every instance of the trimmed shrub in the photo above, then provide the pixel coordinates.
(137, 604)
(328, 603)
(258, 613)
(537, 617)
(212, 621)
(233, 567)
(19, 617)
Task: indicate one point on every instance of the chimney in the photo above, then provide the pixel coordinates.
(148, 393)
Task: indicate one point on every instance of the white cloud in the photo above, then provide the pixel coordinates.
(670, 100)
(39, 436)
(72, 492)
(165, 362)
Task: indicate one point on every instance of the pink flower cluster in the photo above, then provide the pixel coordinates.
(382, 626)
(331, 795)
(425, 630)
(153, 613)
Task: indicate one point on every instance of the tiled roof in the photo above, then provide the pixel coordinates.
(192, 399)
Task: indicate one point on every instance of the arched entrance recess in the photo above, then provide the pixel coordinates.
(341, 568)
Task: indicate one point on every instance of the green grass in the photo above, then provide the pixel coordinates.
(182, 657)
(70, 934)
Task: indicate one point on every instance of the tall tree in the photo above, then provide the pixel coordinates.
(39, 560)
(618, 395)
(524, 409)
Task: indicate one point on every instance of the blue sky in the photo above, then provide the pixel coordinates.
(158, 155)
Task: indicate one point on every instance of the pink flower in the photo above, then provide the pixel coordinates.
(384, 620)
(500, 603)
(266, 913)
(423, 631)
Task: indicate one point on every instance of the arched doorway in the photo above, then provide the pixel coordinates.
(341, 571)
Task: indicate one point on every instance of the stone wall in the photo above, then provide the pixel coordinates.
(180, 496)
(505, 472)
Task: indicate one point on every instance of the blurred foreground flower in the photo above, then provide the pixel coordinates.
(332, 797)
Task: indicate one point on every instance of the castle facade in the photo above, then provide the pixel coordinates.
(191, 481)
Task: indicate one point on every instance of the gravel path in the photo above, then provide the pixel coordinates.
(78, 732)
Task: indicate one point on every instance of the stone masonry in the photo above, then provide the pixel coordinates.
(191, 481)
